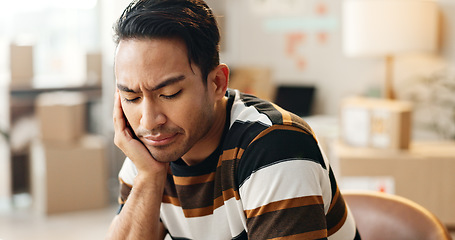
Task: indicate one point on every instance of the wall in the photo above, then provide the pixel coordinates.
(255, 36)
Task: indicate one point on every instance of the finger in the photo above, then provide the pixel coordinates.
(123, 133)
(118, 116)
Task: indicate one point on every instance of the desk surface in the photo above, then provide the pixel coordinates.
(421, 149)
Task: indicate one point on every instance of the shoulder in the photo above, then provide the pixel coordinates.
(247, 110)
(267, 134)
(257, 125)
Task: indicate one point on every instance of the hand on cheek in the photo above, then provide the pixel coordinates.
(133, 148)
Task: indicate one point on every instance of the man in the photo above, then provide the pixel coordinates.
(204, 161)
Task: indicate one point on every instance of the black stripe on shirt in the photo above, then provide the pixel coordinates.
(242, 236)
(306, 214)
(278, 145)
(275, 113)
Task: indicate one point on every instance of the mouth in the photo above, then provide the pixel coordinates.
(159, 140)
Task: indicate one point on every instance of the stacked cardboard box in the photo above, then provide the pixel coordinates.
(376, 123)
(253, 80)
(424, 173)
(21, 65)
(94, 65)
(69, 171)
(61, 116)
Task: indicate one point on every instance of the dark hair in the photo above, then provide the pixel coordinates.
(189, 20)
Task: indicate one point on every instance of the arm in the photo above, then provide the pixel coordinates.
(140, 216)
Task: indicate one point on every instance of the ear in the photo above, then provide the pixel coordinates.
(218, 80)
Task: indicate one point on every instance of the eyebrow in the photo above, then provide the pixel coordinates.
(163, 84)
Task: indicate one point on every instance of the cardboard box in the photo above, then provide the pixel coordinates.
(61, 116)
(94, 66)
(253, 80)
(380, 123)
(69, 177)
(425, 173)
(21, 65)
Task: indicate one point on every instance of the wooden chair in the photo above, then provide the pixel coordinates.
(385, 216)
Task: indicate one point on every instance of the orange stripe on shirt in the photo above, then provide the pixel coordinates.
(284, 204)
(231, 154)
(185, 181)
(287, 120)
(277, 127)
(318, 234)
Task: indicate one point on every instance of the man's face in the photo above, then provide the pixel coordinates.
(164, 98)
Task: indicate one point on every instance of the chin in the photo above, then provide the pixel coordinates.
(165, 160)
(164, 156)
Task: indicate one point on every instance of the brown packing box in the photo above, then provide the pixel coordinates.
(94, 64)
(253, 80)
(69, 177)
(61, 116)
(379, 123)
(425, 173)
(21, 65)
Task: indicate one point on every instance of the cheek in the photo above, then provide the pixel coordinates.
(184, 114)
(179, 114)
(197, 114)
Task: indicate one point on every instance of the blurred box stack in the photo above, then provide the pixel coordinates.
(61, 116)
(68, 165)
(94, 65)
(423, 173)
(376, 123)
(21, 66)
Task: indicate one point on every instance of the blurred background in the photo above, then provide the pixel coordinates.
(327, 61)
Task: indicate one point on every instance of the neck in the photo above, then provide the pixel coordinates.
(202, 149)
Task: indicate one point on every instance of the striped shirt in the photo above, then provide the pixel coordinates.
(266, 180)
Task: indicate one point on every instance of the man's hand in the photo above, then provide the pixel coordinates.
(132, 147)
(140, 216)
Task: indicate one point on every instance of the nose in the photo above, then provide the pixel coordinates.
(152, 115)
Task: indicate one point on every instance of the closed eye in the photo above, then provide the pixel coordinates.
(171, 96)
(131, 100)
